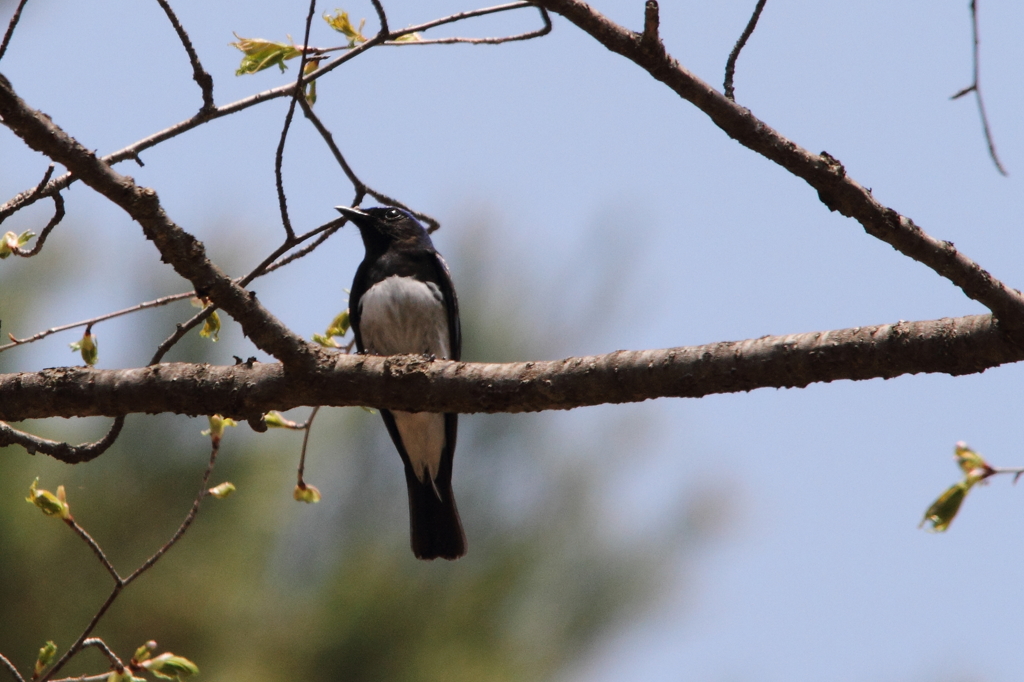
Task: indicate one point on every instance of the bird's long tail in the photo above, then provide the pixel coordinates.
(434, 519)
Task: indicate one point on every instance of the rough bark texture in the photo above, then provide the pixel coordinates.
(953, 346)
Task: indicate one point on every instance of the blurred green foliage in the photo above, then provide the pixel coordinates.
(264, 588)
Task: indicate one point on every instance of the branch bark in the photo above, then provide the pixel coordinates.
(310, 376)
(824, 173)
(181, 250)
(963, 345)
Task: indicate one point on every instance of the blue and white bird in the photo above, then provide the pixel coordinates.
(403, 302)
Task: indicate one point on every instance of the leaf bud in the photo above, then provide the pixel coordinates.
(306, 493)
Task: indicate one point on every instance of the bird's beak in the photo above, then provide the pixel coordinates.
(353, 214)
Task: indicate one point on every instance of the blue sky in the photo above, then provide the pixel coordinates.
(823, 573)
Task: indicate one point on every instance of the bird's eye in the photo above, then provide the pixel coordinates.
(393, 214)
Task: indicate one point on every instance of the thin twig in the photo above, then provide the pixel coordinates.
(975, 87)
(65, 452)
(58, 215)
(179, 333)
(1016, 471)
(460, 16)
(199, 74)
(266, 267)
(282, 200)
(297, 94)
(360, 186)
(392, 38)
(132, 151)
(96, 549)
(189, 518)
(307, 110)
(325, 233)
(101, 318)
(77, 646)
(650, 37)
(730, 64)
(46, 178)
(381, 16)
(10, 27)
(121, 583)
(542, 31)
(307, 427)
(7, 664)
(102, 646)
(35, 193)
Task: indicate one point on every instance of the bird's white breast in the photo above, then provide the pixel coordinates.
(403, 315)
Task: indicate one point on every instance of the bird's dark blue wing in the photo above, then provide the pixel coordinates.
(451, 303)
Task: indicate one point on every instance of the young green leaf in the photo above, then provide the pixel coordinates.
(45, 658)
(275, 420)
(50, 504)
(211, 327)
(262, 54)
(311, 65)
(8, 243)
(971, 463)
(943, 510)
(144, 651)
(221, 491)
(170, 667)
(342, 24)
(88, 346)
(339, 325)
(217, 426)
(325, 341)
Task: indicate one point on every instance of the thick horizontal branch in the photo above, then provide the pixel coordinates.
(177, 247)
(963, 345)
(824, 173)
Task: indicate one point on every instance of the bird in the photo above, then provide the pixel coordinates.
(402, 301)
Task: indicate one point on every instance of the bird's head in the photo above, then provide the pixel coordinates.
(383, 226)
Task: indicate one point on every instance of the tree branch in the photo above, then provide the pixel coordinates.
(65, 452)
(132, 151)
(203, 79)
(362, 188)
(121, 583)
(177, 247)
(9, 33)
(58, 215)
(10, 666)
(956, 346)
(730, 63)
(975, 87)
(102, 646)
(824, 173)
(164, 300)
